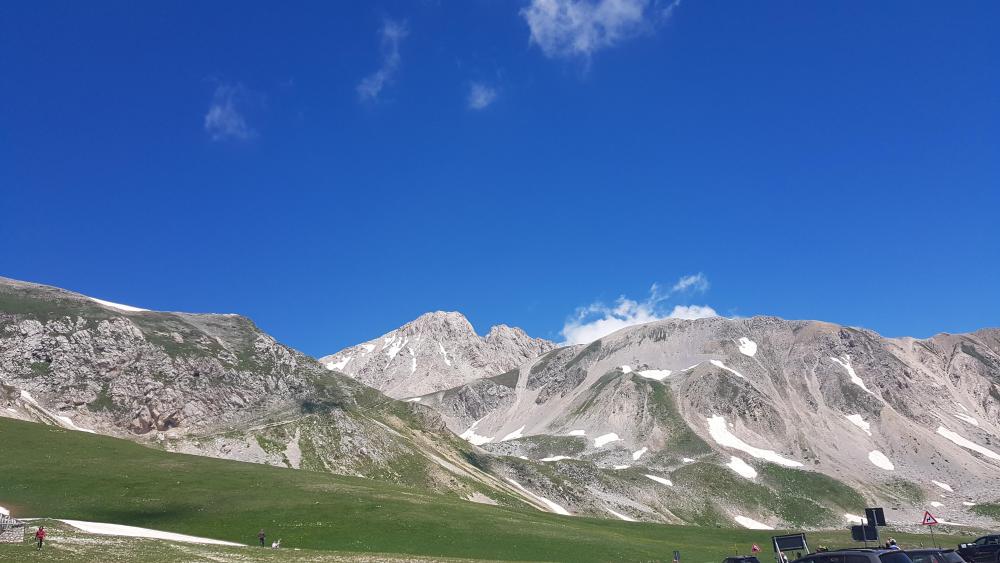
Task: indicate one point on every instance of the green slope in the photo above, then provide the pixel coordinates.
(51, 472)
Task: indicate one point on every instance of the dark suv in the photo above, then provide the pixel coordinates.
(934, 555)
(741, 559)
(856, 556)
(984, 550)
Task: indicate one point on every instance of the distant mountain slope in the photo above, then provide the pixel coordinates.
(435, 352)
(214, 385)
(914, 422)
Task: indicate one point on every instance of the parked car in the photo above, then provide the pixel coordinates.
(984, 550)
(856, 556)
(934, 555)
(741, 559)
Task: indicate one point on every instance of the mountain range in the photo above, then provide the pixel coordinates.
(757, 422)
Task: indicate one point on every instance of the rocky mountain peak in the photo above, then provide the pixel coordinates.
(435, 351)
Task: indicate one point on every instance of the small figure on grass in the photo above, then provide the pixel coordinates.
(40, 536)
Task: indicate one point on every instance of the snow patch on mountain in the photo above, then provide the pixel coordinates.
(720, 433)
(118, 306)
(966, 418)
(657, 374)
(960, 440)
(742, 468)
(473, 438)
(339, 365)
(514, 435)
(860, 423)
(944, 486)
(639, 453)
(879, 460)
(747, 347)
(719, 364)
(850, 371)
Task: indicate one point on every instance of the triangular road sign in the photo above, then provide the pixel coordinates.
(929, 520)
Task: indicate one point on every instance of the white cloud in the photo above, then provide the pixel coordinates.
(481, 95)
(696, 282)
(691, 312)
(224, 120)
(578, 28)
(598, 320)
(392, 33)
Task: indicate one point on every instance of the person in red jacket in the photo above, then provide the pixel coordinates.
(40, 536)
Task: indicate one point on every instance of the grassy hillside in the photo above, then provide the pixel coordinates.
(51, 472)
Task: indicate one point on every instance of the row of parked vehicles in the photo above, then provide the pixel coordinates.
(984, 550)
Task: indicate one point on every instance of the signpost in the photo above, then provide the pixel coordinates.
(930, 521)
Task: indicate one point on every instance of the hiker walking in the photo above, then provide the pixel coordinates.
(261, 536)
(40, 536)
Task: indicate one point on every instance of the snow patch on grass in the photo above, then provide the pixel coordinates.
(605, 439)
(555, 458)
(134, 532)
(742, 468)
(751, 524)
(68, 423)
(577, 433)
(552, 506)
(514, 435)
(619, 515)
(660, 480)
(639, 453)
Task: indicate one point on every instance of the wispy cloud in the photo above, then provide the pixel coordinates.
(225, 120)
(392, 34)
(579, 28)
(598, 319)
(481, 95)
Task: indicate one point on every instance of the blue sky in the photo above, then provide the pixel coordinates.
(333, 170)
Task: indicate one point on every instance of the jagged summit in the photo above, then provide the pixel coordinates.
(435, 351)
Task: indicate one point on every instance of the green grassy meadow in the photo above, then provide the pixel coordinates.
(55, 473)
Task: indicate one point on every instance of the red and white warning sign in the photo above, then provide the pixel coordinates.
(929, 520)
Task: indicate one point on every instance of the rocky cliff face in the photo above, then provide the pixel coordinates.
(434, 352)
(212, 385)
